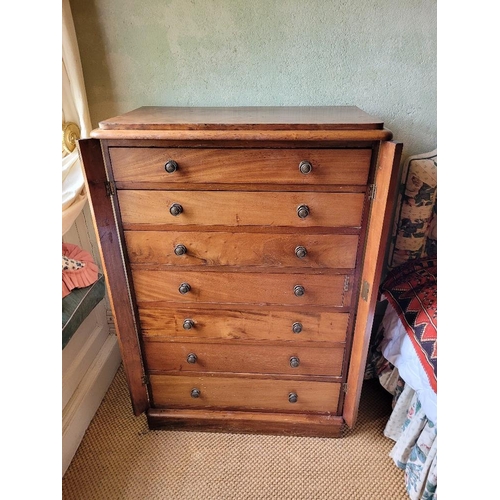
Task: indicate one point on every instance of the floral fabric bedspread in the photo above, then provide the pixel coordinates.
(415, 448)
(411, 290)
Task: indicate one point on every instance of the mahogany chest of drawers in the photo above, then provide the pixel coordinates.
(242, 249)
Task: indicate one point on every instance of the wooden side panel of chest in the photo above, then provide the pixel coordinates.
(242, 266)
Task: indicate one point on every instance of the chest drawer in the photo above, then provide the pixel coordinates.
(214, 208)
(241, 166)
(248, 288)
(197, 324)
(271, 359)
(243, 393)
(174, 248)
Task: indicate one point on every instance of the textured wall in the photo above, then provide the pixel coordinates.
(379, 55)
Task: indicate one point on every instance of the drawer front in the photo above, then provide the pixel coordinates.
(237, 393)
(212, 208)
(232, 325)
(271, 359)
(241, 249)
(241, 166)
(252, 288)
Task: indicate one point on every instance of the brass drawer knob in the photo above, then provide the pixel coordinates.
(297, 327)
(294, 362)
(300, 252)
(171, 166)
(184, 288)
(188, 324)
(302, 211)
(191, 358)
(176, 209)
(299, 290)
(292, 397)
(195, 393)
(180, 250)
(305, 167)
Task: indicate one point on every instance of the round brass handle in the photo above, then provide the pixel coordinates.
(305, 167)
(297, 327)
(188, 324)
(171, 166)
(191, 358)
(300, 252)
(299, 290)
(294, 361)
(176, 209)
(195, 393)
(292, 397)
(180, 250)
(184, 288)
(303, 211)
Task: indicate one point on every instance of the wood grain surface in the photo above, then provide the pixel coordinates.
(169, 391)
(248, 288)
(240, 166)
(241, 249)
(206, 208)
(167, 324)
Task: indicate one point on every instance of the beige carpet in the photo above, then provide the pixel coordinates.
(120, 459)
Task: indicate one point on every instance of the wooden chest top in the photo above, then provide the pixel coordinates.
(245, 123)
(251, 117)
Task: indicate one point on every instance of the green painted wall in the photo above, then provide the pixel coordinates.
(379, 55)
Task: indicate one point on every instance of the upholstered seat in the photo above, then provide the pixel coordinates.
(78, 305)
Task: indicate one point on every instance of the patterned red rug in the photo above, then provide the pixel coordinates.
(412, 290)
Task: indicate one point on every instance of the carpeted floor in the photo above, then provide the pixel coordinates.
(120, 459)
